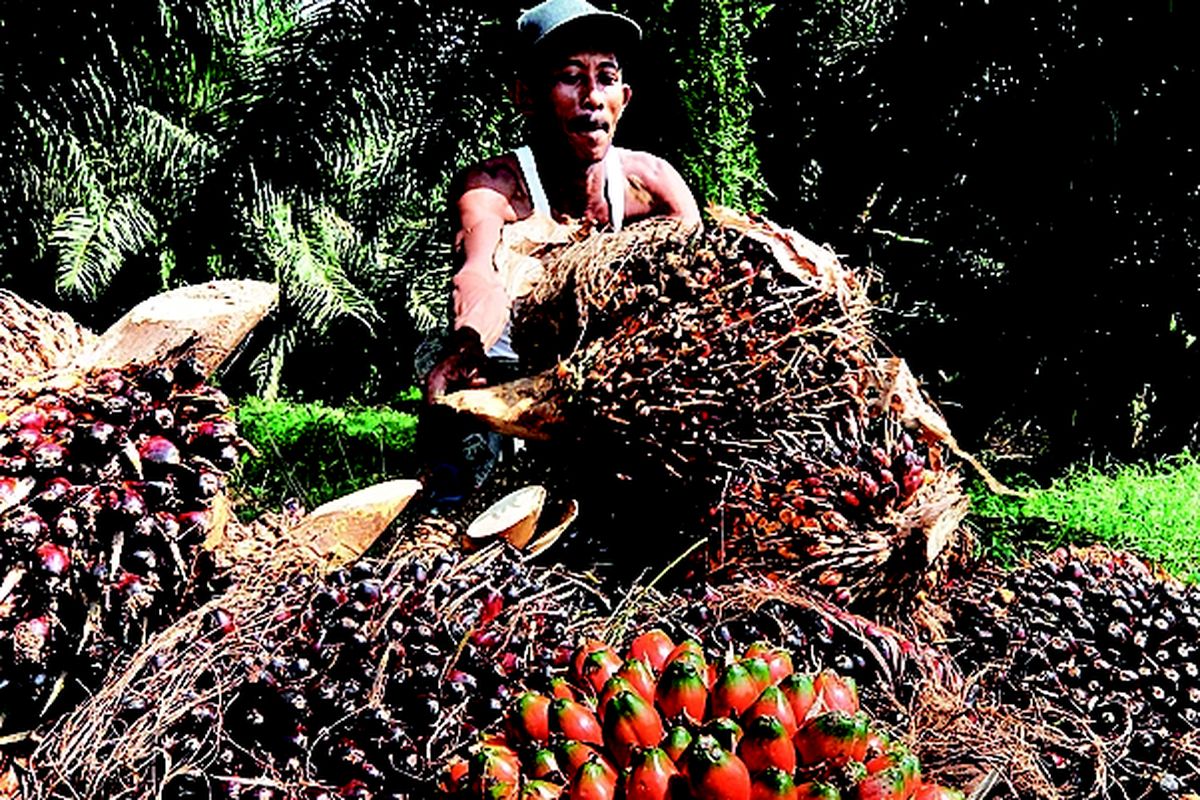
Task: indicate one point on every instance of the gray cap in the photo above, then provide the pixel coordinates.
(556, 16)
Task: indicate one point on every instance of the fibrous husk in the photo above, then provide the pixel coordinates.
(35, 340)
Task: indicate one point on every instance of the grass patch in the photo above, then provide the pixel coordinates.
(1153, 510)
(316, 453)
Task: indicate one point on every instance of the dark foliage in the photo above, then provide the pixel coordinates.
(1024, 176)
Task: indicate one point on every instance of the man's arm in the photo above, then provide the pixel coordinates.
(481, 306)
(483, 207)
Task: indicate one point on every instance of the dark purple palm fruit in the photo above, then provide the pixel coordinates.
(50, 499)
(96, 439)
(159, 457)
(158, 382)
(189, 373)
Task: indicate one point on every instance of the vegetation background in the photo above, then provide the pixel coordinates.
(1022, 176)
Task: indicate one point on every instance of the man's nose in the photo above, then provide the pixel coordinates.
(593, 94)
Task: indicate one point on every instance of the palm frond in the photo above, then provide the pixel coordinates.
(91, 244)
(307, 258)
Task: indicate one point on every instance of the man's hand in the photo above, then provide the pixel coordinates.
(461, 365)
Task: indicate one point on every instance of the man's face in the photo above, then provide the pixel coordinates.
(587, 95)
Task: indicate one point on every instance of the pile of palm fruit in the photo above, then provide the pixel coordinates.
(1098, 641)
(665, 722)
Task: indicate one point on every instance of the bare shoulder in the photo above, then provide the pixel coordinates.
(500, 174)
(656, 188)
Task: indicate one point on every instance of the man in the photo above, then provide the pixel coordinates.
(572, 89)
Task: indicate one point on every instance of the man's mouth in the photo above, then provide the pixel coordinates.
(587, 125)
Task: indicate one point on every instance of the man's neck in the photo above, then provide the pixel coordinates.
(573, 188)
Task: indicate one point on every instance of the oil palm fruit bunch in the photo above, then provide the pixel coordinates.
(730, 372)
(1096, 633)
(666, 722)
(372, 668)
(106, 493)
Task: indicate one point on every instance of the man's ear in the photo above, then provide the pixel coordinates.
(522, 96)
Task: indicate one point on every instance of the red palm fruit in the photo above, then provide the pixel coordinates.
(816, 790)
(595, 780)
(494, 765)
(650, 775)
(887, 784)
(544, 766)
(878, 756)
(779, 661)
(734, 691)
(772, 783)
(541, 790)
(615, 684)
(631, 722)
(836, 693)
(454, 776)
(528, 718)
(689, 650)
(497, 791)
(652, 648)
(772, 703)
(799, 691)
(932, 791)
(681, 691)
(714, 773)
(582, 652)
(639, 676)
(596, 668)
(676, 742)
(759, 671)
(572, 755)
(560, 687)
(834, 737)
(725, 730)
(767, 744)
(575, 721)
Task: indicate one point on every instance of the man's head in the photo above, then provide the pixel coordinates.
(572, 85)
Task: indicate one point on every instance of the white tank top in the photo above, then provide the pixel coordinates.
(614, 185)
(614, 193)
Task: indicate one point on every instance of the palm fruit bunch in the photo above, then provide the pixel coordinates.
(666, 722)
(106, 495)
(368, 671)
(1096, 635)
(730, 375)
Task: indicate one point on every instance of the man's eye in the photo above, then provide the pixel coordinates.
(569, 77)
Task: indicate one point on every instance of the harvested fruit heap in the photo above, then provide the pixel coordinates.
(1109, 650)
(345, 685)
(669, 722)
(735, 373)
(106, 493)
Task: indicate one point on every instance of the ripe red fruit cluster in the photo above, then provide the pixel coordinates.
(665, 723)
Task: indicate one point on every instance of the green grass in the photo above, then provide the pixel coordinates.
(1153, 510)
(316, 453)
